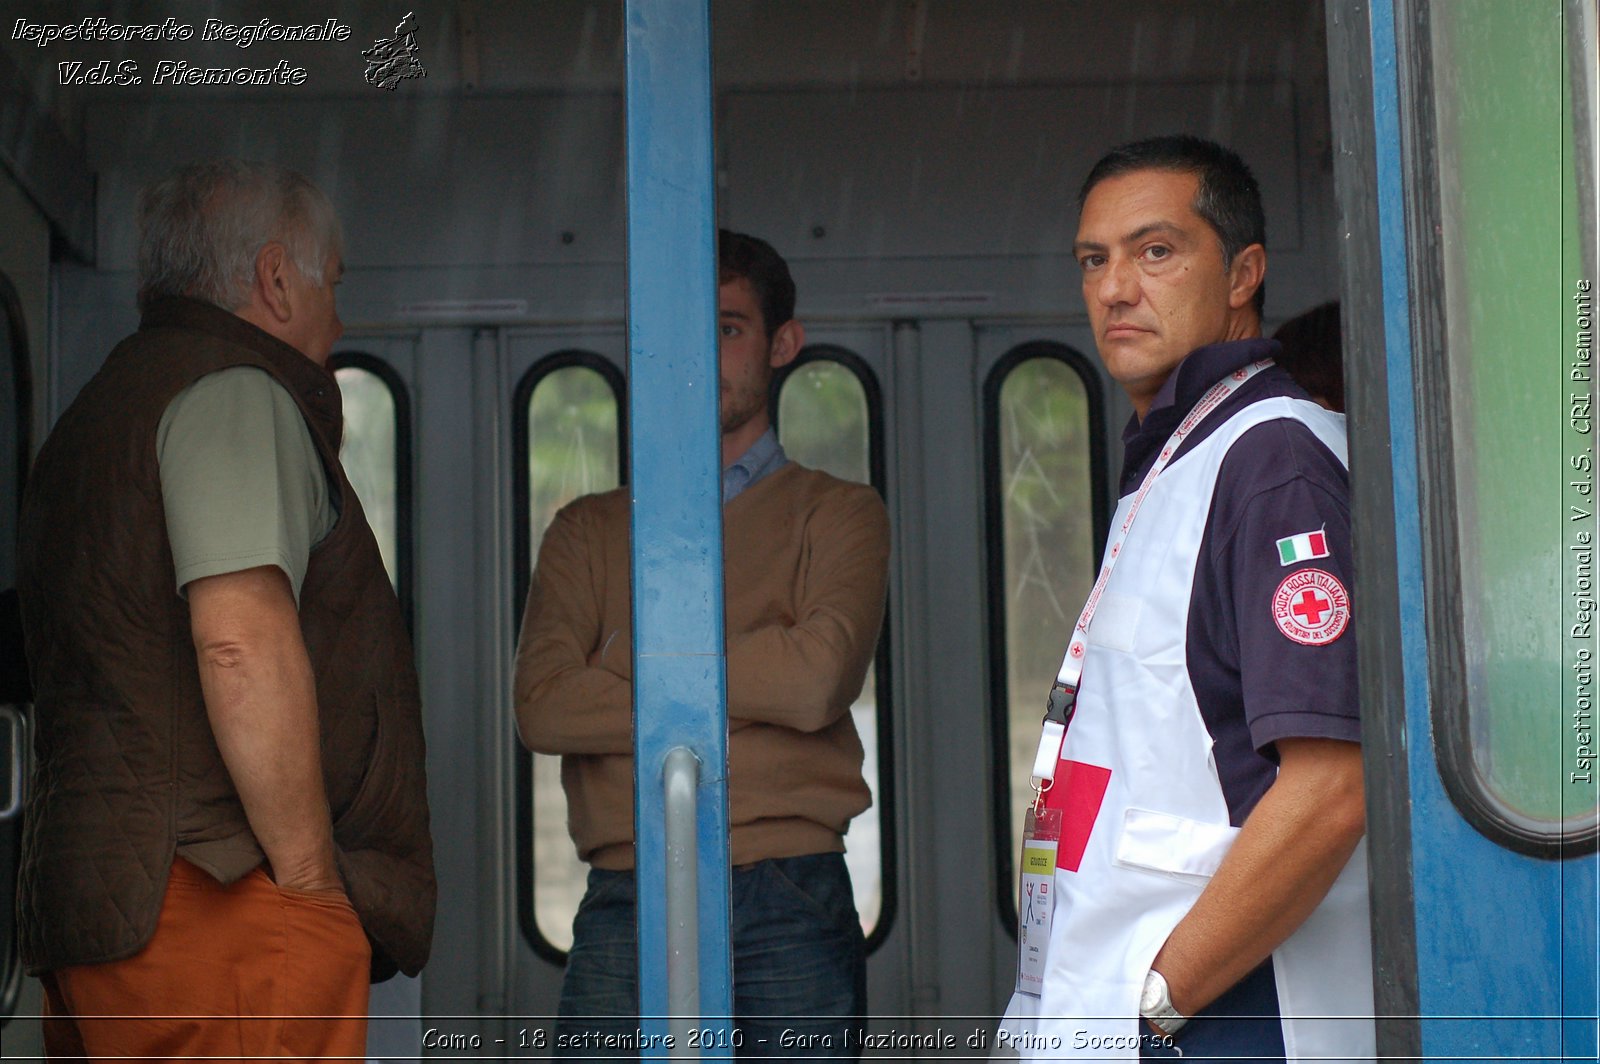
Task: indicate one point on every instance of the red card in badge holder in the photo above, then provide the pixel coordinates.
(1077, 791)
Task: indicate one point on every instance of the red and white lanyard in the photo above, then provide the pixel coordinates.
(1064, 693)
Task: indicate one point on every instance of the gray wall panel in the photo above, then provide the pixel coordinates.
(935, 172)
(417, 182)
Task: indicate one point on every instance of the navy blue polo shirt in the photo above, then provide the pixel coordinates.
(1257, 671)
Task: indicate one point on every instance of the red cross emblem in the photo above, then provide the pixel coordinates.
(1311, 607)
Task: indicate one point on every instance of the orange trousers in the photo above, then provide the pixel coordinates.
(237, 971)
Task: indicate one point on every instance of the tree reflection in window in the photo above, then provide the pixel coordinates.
(1041, 505)
(572, 450)
(572, 444)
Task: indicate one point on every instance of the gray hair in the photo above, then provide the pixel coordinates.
(201, 227)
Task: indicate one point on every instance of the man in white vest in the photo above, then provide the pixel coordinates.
(1202, 812)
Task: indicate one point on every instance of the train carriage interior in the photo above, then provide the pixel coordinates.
(917, 162)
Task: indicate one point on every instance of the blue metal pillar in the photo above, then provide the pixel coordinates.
(679, 669)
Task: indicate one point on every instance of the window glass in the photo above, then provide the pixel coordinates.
(572, 451)
(572, 443)
(822, 412)
(1045, 499)
(824, 423)
(1518, 350)
(368, 456)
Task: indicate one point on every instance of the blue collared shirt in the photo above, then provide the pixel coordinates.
(764, 458)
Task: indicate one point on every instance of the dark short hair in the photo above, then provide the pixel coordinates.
(741, 256)
(1228, 199)
(1313, 353)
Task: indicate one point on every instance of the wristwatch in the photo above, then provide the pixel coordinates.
(1155, 1005)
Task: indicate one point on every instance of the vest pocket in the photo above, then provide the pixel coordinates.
(376, 791)
(1175, 845)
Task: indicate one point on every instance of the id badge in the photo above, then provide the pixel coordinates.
(1036, 889)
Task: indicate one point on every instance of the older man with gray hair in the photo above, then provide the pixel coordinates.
(229, 815)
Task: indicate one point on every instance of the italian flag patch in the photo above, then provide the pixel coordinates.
(1302, 548)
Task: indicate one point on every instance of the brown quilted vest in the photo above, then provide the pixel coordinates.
(126, 762)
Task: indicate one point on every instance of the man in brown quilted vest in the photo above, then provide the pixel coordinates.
(229, 814)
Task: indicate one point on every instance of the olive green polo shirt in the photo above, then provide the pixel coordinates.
(241, 482)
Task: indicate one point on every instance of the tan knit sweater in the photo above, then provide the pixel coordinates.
(806, 562)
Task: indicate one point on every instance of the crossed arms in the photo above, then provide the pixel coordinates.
(574, 685)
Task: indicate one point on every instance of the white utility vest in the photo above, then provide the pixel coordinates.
(1162, 828)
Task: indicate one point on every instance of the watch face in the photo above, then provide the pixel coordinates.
(1150, 999)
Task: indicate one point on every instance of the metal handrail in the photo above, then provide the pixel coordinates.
(681, 781)
(18, 767)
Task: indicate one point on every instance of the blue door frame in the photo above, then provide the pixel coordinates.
(1505, 944)
(679, 668)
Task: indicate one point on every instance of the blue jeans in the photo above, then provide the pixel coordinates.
(799, 962)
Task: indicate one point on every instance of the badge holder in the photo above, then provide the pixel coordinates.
(1036, 890)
